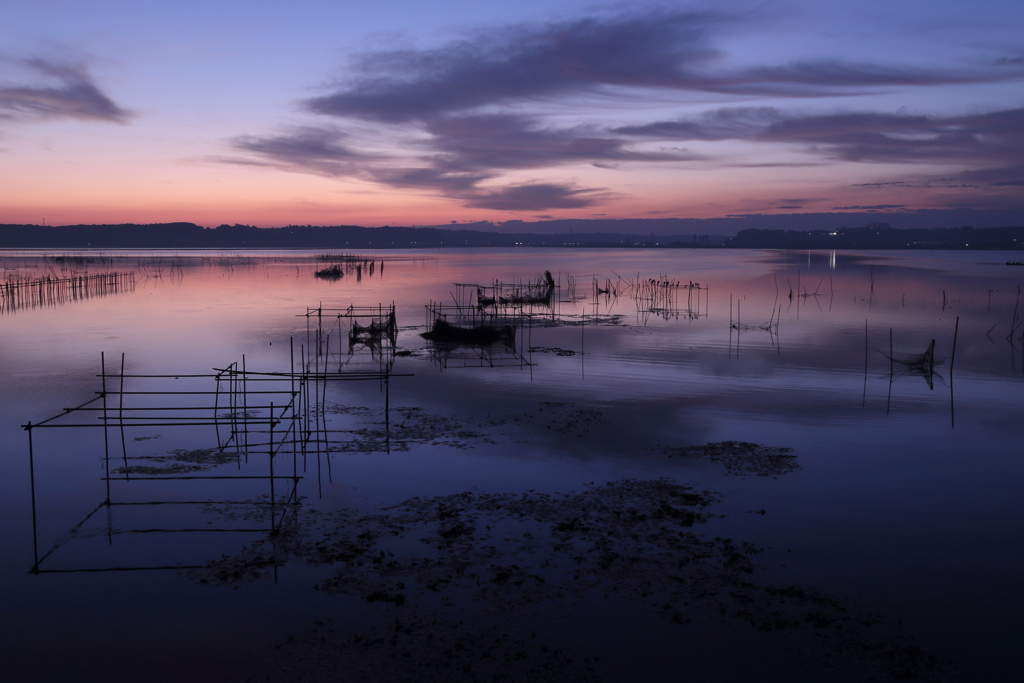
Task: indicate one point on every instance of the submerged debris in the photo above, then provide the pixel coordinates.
(374, 334)
(564, 417)
(180, 461)
(346, 264)
(335, 272)
(508, 559)
(919, 364)
(741, 457)
(408, 426)
(536, 293)
(587, 320)
(555, 350)
(539, 292)
(481, 335)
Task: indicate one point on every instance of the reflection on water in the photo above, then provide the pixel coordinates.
(547, 461)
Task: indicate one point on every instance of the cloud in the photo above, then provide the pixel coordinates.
(725, 123)
(510, 141)
(1006, 176)
(54, 90)
(1005, 201)
(526, 62)
(306, 149)
(459, 154)
(654, 50)
(445, 183)
(919, 183)
(536, 197)
(901, 138)
(995, 188)
(875, 207)
(475, 108)
(809, 78)
(455, 150)
(775, 165)
(455, 172)
(994, 138)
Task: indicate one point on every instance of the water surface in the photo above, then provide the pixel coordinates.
(904, 510)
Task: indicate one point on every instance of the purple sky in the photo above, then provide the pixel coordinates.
(398, 112)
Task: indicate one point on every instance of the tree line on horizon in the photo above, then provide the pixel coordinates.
(192, 236)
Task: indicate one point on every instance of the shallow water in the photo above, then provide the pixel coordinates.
(905, 504)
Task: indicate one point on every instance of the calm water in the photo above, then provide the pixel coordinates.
(904, 511)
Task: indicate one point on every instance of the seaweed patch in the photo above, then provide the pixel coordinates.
(563, 417)
(555, 350)
(180, 461)
(407, 427)
(437, 564)
(741, 458)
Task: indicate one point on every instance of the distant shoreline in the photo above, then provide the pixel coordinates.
(190, 236)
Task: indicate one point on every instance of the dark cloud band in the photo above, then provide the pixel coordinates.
(55, 90)
(651, 50)
(473, 106)
(994, 139)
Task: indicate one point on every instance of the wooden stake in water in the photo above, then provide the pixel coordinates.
(952, 359)
(271, 458)
(32, 488)
(583, 351)
(888, 400)
(864, 397)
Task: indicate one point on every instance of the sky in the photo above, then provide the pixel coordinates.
(409, 113)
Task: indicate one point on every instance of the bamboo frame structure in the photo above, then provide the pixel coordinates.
(48, 290)
(509, 326)
(265, 423)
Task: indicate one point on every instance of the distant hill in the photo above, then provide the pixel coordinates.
(643, 228)
(874, 235)
(881, 236)
(191, 236)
